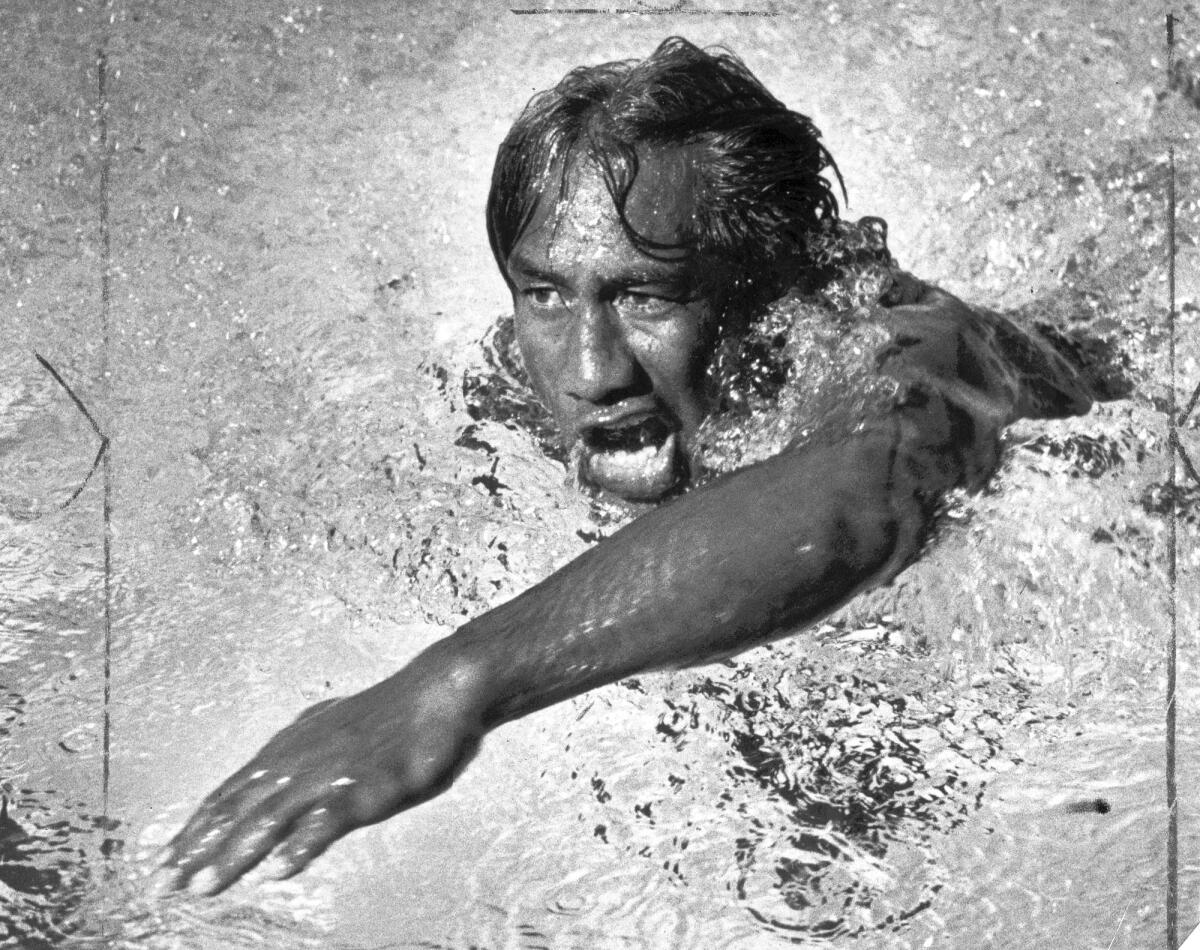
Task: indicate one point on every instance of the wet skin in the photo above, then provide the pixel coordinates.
(611, 337)
(746, 558)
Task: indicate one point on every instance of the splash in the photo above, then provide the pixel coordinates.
(779, 383)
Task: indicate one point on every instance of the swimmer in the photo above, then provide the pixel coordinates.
(642, 213)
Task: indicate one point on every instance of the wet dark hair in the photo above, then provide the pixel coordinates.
(760, 188)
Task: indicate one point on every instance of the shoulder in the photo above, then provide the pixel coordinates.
(938, 341)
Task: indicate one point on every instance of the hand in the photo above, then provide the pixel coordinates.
(342, 764)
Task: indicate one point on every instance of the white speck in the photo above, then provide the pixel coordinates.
(204, 882)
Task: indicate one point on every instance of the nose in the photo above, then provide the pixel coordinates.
(602, 368)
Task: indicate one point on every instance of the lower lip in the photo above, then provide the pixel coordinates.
(644, 474)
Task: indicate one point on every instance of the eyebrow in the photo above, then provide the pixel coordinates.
(667, 272)
(528, 268)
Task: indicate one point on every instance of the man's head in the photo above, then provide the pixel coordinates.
(638, 210)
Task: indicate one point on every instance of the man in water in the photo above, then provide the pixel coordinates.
(644, 215)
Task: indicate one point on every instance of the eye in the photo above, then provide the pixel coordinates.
(640, 304)
(544, 297)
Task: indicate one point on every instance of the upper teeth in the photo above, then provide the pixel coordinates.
(625, 436)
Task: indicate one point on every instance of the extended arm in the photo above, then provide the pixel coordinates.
(729, 566)
(723, 569)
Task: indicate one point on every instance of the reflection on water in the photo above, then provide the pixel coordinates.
(52, 834)
(852, 784)
(304, 497)
(45, 864)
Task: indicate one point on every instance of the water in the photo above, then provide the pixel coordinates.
(302, 500)
(916, 755)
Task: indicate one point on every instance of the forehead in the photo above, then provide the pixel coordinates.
(580, 219)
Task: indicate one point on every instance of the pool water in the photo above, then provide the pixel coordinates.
(301, 500)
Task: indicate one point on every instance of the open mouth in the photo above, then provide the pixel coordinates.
(651, 430)
(636, 459)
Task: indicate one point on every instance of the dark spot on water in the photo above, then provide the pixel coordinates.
(1091, 456)
(1099, 806)
(1071, 180)
(396, 283)
(1157, 498)
(1186, 82)
(467, 439)
(489, 480)
(439, 373)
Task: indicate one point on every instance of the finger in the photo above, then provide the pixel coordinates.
(357, 803)
(242, 844)
(213, 817)
(198, 837)
(243, 790)
(309, 838)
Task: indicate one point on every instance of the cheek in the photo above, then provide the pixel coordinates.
(678, 356)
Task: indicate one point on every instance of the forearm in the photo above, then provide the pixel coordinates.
(720, 570)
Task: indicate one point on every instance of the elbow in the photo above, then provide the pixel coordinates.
(883, 524)
(871, 548)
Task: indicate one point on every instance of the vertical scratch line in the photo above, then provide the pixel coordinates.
(1172, 606)
(105, 299)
